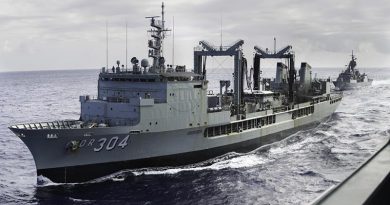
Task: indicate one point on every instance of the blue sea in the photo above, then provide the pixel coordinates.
(293, 171)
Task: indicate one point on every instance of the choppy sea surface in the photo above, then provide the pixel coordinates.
(293, 171)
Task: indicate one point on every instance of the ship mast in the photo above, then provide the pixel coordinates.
(352, 64)
(155, 44)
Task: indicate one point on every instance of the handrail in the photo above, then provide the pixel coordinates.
(125, 99)
(47, 125)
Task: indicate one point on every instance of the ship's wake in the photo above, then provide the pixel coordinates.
(381, 82)
(239, 161)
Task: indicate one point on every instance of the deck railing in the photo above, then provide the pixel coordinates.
(47, 125)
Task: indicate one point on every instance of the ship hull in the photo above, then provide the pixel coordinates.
(103, 151)
(340, 85)
(84, 173)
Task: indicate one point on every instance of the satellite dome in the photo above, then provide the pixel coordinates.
(144, 63)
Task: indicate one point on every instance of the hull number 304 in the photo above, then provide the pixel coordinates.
(104, 143)
(111, 143)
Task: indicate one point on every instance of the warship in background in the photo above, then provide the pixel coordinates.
(164, 115)
(351, 78)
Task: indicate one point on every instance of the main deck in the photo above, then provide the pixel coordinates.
(254, 120)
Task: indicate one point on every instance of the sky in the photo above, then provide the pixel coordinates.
(71, 34)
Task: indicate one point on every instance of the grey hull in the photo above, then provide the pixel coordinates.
(102, 151)
(83, 173)
(350, 86)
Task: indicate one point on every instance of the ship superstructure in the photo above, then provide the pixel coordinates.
(163, 115)
(351, 77)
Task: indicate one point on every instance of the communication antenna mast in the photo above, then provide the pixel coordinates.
(126, 46)
(106, 45)
(173, 41)
(221, 33)
(163, 28)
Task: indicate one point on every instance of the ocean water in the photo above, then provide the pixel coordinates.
(293, 171)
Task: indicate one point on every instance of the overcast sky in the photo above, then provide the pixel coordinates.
(53, 34)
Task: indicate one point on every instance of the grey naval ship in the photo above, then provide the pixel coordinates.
(159, 115)
(351, 78)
